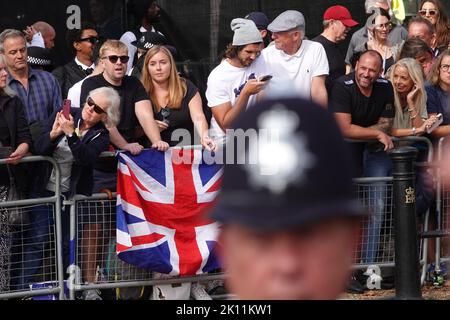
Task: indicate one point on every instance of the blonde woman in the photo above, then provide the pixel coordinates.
(411, 116)
(176, 101)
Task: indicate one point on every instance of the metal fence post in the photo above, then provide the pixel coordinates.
(406, 239)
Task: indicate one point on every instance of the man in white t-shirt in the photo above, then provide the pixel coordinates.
(233, 86)
(301, 63)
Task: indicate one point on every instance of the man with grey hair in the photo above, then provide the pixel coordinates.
(233, 86)
(337, 22)
(396, 36)
(40, 94)
(301, 62)
(38, 90)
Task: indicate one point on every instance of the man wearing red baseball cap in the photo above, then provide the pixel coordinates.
(337, 23)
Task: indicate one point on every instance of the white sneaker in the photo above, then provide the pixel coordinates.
(198, 292)
(91, 295)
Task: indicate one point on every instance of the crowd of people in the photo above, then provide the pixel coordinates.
(127, 94)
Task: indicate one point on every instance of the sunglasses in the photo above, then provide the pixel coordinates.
(431, 12)
(92, 40)
(97, 109)
(114, 59)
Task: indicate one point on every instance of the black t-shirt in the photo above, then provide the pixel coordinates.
(131, 91)
(365, 111)
(180, 119)
(336, 60)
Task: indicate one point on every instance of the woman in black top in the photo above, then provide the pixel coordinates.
(176, 101)
(14, 136)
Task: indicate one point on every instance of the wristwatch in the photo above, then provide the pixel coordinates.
(414, 131)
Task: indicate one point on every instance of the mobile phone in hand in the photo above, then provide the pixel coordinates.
(66, 108)
(436, 124)
(5, 152)
(265, 78)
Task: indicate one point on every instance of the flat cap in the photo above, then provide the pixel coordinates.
(288, 20)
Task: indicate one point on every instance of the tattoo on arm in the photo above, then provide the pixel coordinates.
(384, 125)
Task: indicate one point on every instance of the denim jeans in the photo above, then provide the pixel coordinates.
(375, 164)
(35, 240)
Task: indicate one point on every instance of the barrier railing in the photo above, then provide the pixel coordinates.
(443, 208)
(381, 187)
(22, 240)
(93, 222)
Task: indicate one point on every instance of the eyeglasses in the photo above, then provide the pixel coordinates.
(431, 12)
(445, 67)
(114, 59)
(386, 25)
(97, 109)
(92, 40)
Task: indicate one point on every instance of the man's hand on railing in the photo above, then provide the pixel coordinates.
(386, 140)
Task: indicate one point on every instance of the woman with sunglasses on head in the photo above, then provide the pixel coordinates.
(438, 91)
(76, 141)
(379, 25)
(176, 101)
(434, 11)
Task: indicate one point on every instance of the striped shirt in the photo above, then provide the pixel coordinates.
(43, 96)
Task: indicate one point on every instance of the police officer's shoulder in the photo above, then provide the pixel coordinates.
(346, 80)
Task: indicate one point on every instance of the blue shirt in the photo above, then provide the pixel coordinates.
(43, 96)
(438, 102)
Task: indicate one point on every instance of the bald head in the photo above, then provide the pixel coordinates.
(48, 33)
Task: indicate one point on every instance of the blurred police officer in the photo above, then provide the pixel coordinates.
(290, 219)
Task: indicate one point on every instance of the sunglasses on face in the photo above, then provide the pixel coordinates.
(92, 40)
(431, 12)
(97, 109)
(114, 59)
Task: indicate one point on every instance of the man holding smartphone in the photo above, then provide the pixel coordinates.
(235, 84)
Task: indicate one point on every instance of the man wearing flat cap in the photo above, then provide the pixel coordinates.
(289, 217)
(234, 85)
(293, 60)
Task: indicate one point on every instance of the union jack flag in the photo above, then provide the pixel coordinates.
(162, 201)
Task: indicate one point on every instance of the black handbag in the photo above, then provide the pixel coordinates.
(16, 216)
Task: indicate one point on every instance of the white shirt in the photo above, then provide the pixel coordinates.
(225, 84)
(299, 69)
(74, 94)
(78, 62)
(37, 41)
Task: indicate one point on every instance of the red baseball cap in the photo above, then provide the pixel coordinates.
(340, 13)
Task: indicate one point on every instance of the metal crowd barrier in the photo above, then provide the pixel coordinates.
(382, 186)
(48, 271)
(443, 208)
(93, 224)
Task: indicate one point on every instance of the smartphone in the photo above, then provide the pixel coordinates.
(66, 108)
(436, 124)
(5, 152)
(265, 78)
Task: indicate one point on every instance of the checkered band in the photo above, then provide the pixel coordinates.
(38, 62)
(148, 45)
